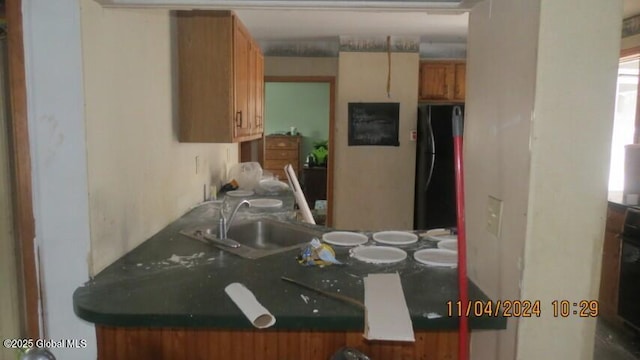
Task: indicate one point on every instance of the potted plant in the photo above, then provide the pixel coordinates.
(320, 152)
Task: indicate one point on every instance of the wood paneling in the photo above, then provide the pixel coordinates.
(188, 344)
(610, 273)
(21, 169)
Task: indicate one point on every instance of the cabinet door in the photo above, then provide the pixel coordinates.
(436, 81)
(251, 100)
(259, 99)
(242, 45)
(610, 273)
(460, 84)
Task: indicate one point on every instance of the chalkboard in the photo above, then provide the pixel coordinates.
(374, 124)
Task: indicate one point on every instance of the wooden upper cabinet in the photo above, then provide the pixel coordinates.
(216, 78)
(442, 81)
(242, 79)
(459, 88)
(259, 93)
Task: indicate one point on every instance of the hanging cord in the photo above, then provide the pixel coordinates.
(389, 66)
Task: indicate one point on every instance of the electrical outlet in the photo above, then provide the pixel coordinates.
(494, 216)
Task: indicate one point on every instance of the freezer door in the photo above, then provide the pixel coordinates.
(425, 157)
(435, 205)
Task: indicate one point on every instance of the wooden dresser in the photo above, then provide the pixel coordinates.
(280, 150)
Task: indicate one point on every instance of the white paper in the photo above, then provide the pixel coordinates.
(249, 305)
(299, 195)
(386, 316)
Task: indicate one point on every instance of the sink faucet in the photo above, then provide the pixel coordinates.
(224, 224)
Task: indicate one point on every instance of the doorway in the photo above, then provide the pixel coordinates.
(308, 105)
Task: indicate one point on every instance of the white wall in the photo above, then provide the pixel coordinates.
(537, 135)
(53, 61)
(378, 179)
(300, 66)
(140, 177)
(501, 68)
(630, 42)
(570, 149)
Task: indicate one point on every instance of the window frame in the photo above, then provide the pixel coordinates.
(626, 55)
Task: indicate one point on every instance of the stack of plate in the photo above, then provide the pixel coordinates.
(437, 257)
(440, 235)
(379, 254)
(344, 238)
(395, 237)
(446, 255)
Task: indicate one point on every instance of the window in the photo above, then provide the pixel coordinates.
(624, 123)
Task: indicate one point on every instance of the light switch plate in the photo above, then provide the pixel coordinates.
(494, 215)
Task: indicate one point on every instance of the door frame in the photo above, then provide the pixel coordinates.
(331, 80)
(20, 165)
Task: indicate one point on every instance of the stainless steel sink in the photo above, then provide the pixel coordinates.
(258, 238)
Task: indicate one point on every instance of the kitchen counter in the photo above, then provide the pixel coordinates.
(166, 298)
(171, 280)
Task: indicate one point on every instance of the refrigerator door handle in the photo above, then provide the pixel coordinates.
(433, 161)
(432, 151)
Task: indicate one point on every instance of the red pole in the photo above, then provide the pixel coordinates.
(463, 332)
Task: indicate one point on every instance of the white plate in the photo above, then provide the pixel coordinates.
(450, 244)
(265, 203)
(437, 257)
(440, 234)
(240, 193)
(378, 254)
(395, 237)
(273, 185)
(344, 238)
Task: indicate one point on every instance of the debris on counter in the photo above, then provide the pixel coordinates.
(187, 260)
(431, 315)
(305, 298)
(317, 254)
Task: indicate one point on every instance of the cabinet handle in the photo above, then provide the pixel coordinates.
(239, 119)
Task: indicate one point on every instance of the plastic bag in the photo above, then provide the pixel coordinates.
(246, 174)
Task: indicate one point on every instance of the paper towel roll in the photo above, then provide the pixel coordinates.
(257, 314)
(299, 195)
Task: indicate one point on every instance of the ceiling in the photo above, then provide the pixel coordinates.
(437, 26)
(326, 24)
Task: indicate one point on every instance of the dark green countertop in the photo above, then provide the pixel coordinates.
(173, 281)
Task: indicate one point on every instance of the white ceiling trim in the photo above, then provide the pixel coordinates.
(406, 5)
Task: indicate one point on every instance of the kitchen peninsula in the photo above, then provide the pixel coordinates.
(165, 300)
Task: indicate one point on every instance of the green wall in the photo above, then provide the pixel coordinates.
(303, 105)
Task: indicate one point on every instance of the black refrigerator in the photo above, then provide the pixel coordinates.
(435, 194)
